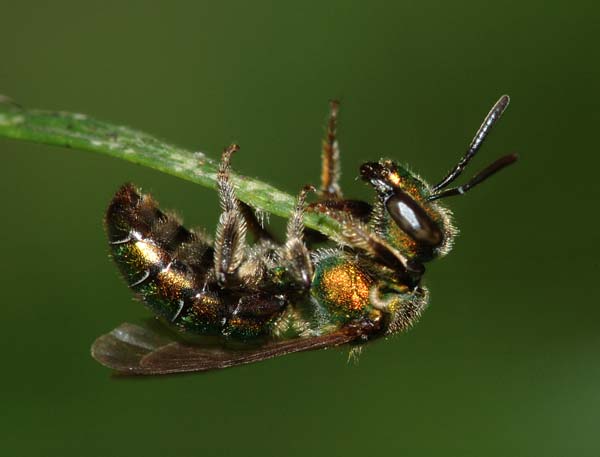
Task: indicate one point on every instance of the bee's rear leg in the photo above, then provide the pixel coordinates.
(230, 239)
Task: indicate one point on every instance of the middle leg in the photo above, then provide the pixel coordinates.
(294, 254)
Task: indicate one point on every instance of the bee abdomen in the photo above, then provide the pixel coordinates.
(164, 263)
(159, 279)
(172, 270)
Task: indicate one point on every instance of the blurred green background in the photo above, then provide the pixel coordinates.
(504, 362)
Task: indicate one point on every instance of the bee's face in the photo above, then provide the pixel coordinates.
(419, 227)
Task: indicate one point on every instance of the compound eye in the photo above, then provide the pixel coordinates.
(413, 220)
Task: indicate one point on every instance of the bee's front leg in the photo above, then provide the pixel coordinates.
(330, 198)
(330, 158)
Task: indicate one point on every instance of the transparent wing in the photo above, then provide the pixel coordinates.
(138, 350)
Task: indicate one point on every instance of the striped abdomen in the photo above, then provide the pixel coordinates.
(171, 270)
(165, 264)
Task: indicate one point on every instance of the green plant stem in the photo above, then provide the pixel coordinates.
(79, 131)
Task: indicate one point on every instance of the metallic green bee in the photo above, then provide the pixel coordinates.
(274, 298)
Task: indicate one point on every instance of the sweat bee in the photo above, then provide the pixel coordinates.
(267, 299)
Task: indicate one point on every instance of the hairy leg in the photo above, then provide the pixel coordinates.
(230, 240)
(330, 158)
(330, 195)
(294, 254)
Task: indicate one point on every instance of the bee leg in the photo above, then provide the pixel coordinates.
(359, 210)
(362, 236)
(252, 314)
(294, 254)
(230, 240)
(356, 208)
(330, 195)
(330, 158)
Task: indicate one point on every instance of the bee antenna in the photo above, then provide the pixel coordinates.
(484, 174)
(483, 131)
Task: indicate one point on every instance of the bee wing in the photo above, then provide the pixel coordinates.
(135, 350)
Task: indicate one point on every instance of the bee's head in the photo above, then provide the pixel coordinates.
(408, 213)
(419, 228)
